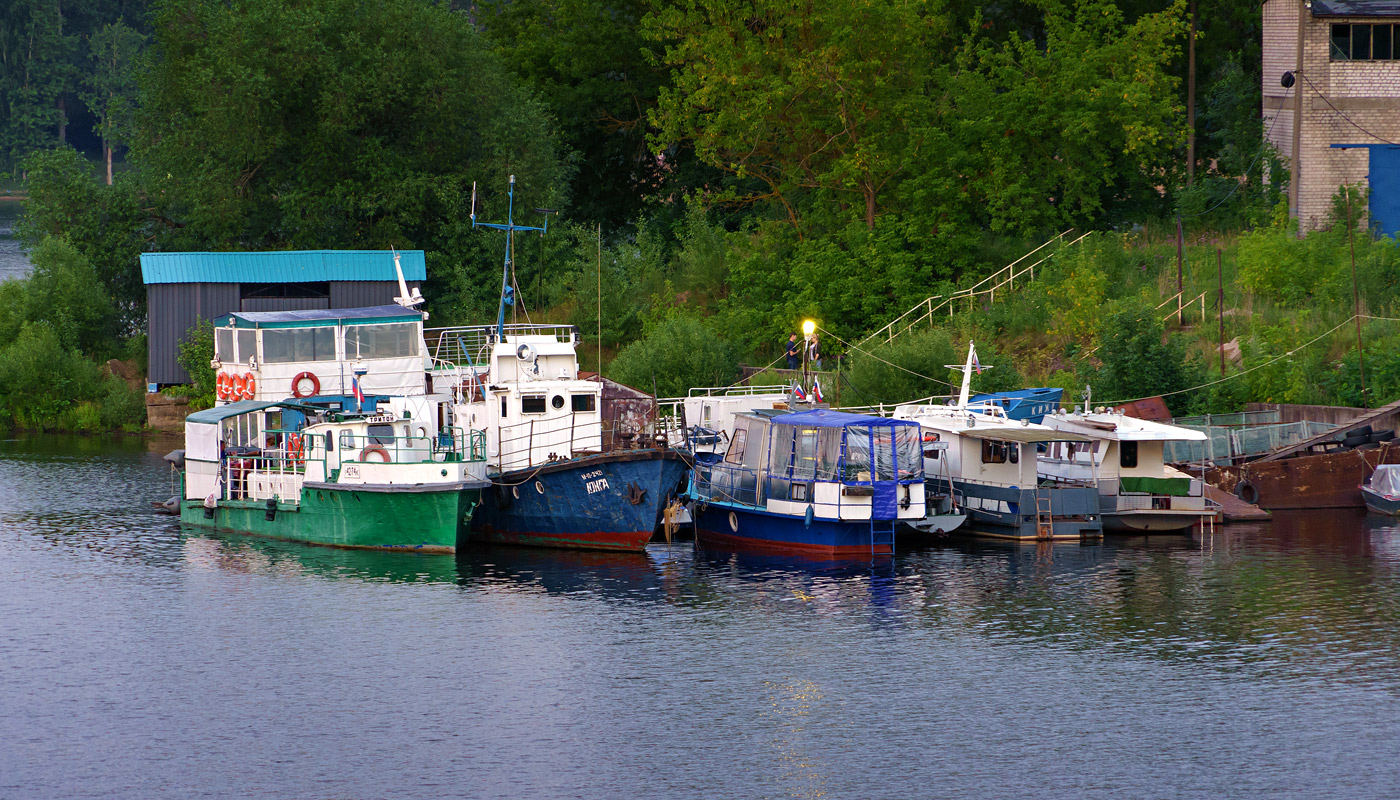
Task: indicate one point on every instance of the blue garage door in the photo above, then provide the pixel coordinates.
(1385, 189)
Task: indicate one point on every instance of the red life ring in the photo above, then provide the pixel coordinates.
(296, 448)
(306, 376)
(374, 448)
(223, 385)
(250, 385)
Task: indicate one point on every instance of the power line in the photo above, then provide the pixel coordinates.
(1353, 122)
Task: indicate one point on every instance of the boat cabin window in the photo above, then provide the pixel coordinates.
(532, 404)
(1013, 452)
(585, 402)
(929, 437)
(557, 401)
(393, 340)
(247, 344)
(381, 434)
(330, 443)
(829, 454)
(993, 452)
(804, 461)
(735, 454)
(906, 449)
(347, 439)
(1128, 454)
(223, 345)
(283, 345)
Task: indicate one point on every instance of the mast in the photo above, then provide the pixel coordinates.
(967, 370)
(507, 293)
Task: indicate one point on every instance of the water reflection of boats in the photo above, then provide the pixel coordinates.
(621, 574)
(235, 552)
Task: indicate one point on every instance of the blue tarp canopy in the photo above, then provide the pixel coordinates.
(260, 319)
(825, 418)
(282, 266)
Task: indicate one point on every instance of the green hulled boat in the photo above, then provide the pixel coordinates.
(294, 471)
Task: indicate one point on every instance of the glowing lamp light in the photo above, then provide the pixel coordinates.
(808, 327)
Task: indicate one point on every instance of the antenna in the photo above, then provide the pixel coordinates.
(405, 299)
(967, 370)
(509, 226)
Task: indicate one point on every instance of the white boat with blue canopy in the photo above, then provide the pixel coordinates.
(819, 482)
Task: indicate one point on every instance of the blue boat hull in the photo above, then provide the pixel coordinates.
(611, 501)
(1030, 405)
(746, 528)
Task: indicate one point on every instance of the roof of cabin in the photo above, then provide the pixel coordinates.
(1123, 428)
(281, 266)
(210, 416)
(1356, 8)
(283, 319)
(826, 418)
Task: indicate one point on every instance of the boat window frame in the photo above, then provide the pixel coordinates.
(1128, 454)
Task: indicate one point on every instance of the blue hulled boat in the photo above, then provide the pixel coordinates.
(1030, 405)
(824, 483)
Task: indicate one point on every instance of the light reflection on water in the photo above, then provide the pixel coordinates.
(142, 659)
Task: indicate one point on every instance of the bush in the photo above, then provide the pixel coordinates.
(910, 367)
(678, 354)
(195, 354)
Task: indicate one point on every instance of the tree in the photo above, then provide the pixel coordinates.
(677, 354)
(591, 67)
(109, 89)
(36, 57)
(335, 123)
(834, 99)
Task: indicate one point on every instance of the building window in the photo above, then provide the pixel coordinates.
(1357, 42)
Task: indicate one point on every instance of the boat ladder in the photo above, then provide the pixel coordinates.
(881, 534)
(1044, 519)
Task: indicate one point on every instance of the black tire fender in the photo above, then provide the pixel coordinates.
(1247, 492)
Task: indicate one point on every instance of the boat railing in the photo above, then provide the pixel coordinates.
(733, 391)
(1156, 502)
(472, 344)
(450, 444)
(271, 474)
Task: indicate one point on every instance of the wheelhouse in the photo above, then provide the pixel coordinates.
(838, 465)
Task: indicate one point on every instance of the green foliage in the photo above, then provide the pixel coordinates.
(196, 353)
(36, 68)
(105, 224)
(45, 386)
(1137, 362)
(910, 367)
(109, 88)
(676, 355)
(64, 292)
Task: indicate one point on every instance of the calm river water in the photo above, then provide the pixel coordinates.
(142, 660)
(13, 262)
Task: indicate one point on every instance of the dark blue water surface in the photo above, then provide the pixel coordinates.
(139, 659)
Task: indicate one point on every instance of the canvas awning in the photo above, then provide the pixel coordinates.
(1023, 434)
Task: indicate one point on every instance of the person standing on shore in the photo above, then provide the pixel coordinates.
(814, 353)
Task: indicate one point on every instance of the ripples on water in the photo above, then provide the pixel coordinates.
(140, 659)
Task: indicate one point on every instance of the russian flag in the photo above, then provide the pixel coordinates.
(797, 392)
(816, 391)
(355, 390)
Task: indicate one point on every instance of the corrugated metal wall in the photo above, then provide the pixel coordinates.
(284, 303)
(363, 294)
(171, 310)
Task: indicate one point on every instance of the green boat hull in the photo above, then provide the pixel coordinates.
(418, 519)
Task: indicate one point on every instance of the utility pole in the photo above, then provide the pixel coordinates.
(1191, 100)
(1295, 179)
(1220, 305)
(1356, 301)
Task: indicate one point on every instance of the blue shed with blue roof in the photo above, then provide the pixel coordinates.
(182, 288)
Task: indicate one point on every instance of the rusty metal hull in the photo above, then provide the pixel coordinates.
(1327, 480)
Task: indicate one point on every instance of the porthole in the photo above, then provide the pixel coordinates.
(539, 487)
(515, 492)
(557, 401)
(733, 522)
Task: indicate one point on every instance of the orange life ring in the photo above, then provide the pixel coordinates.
(296, 448)
(374, 448)
(223, 385)
(306, 376)
(250, 386)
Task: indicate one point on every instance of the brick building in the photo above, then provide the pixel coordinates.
(1347, 95)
